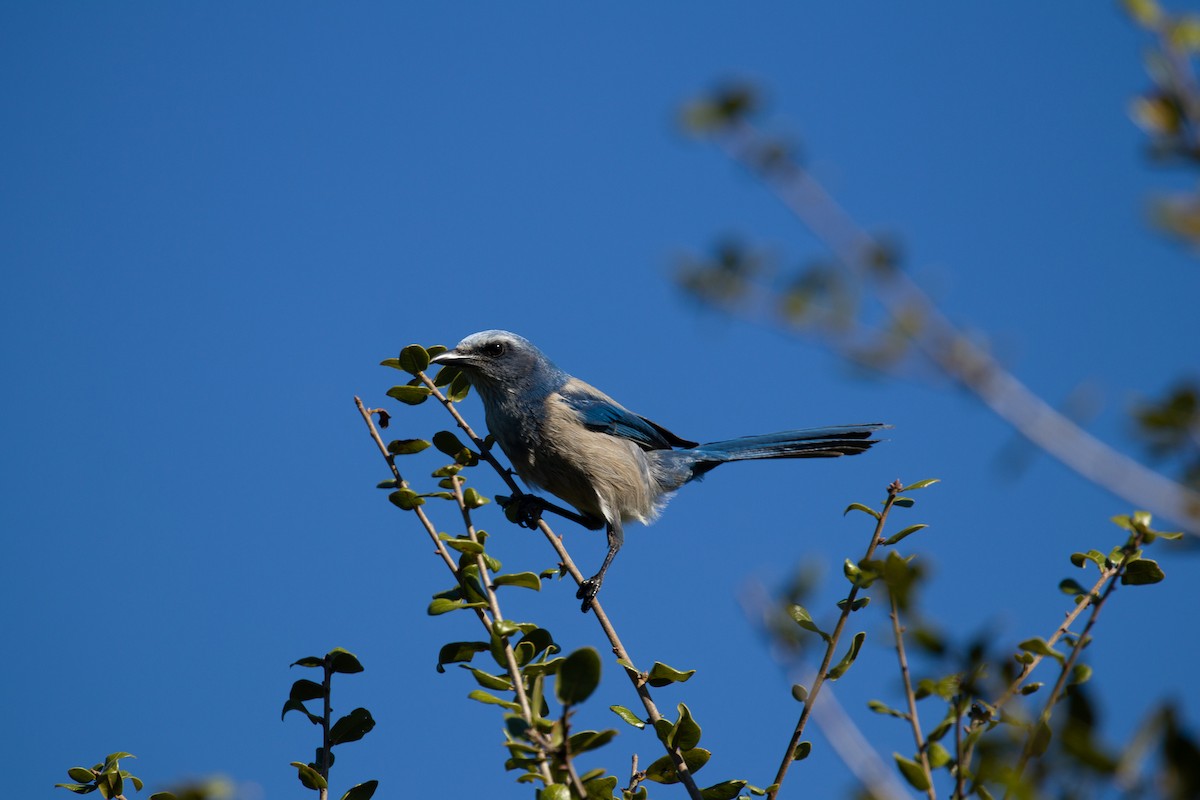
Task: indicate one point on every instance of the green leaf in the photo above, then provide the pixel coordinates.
(446, 375)
(1030, 688)
(862, 508)
(458, 652)
(491, 699)
(685, 733)
(663, 769)
(406, 447)
(409, 395)
(473, 499)
(406, 499)
(627, 715)
(352, 727)
(852, 653)
(880, 708)
(361, 791)
(489, 681)
(464, 546)
(441, 605)
(526, 580)
(1070, 586)
(904, 502)
(921, 484)
(394, 363)
(912, 772)
(1142, 572)
(800, 614)
(661, 675)
(414, 359)
(726, 790)
(590, 740)
(859, 602)
(77, 788)
(343, 661)
(555, 791)
(578, 676)
(309, 661)
(602, 788)
(460, 387)
(802, 751)
(910, 530)
(310, 777)
(937, 755)
(1095, 556)
(1038, 647)
(305, 689)
(448, 443)
(81, 774)
(1081, 673)
(296, 705)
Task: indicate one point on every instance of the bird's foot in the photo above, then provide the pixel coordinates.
(525, 510)
(587, 593)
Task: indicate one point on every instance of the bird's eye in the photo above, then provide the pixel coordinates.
(493, 349)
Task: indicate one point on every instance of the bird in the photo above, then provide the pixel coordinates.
(572, 440)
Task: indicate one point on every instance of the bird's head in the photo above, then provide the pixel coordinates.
(500, 359)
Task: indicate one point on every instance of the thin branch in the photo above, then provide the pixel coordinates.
(913, 718)
(831, 646)
(948, 347)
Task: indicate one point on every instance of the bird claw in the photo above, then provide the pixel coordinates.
(588, 590)
(525, 510)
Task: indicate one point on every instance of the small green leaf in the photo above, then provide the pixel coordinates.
(441, 605)
(458, 652)
(1038, 646)
(304, 689)
(81, 774)
(491, 699)
(937, 755)
(77, 788)
(661, 675)
(394, 363)
(912, 772)
(1142, 572)
(525, 580)
(1040, 740)
(390, 483)
(921, 484)
(460, 387)
(406, 499)
(555, 791)
(406, 447)
(663, 769)
(409, 395)
(309, 661)
(310, 777)
(414, 359)
(880, 708)
(862, 508)
(859, 602)
(590, 740)
(578, 676)
(726, 790)
(1081, 673)
(343, 661)
(1070, 586)
(802, 751)
(473, 499)
(352, 727)
(800, 614)
(464, 546)
(361, 791)
(448, 443)
(1030, 688)
(910, 530)
(852, 653)
(685, 733)
(627, 715)
(904, 502)
(446, 375)
(296, 705)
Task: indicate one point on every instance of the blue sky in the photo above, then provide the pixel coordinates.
(216, 220)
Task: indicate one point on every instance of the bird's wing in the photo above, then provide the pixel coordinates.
(598, 412)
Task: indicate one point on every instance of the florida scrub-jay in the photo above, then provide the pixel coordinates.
(579, 444)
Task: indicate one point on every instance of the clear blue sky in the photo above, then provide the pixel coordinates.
(217, 219)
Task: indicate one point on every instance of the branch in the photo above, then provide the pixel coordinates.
(944, 344)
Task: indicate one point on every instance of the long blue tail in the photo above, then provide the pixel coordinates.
(839, 440)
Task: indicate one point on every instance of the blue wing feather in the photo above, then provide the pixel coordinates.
(598, 412)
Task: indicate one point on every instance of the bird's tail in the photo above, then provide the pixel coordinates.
(840, 440)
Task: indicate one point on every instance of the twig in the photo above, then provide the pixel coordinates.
(823, 671)
(913, 718)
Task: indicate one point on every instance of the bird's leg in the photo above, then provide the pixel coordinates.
(591, 587)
